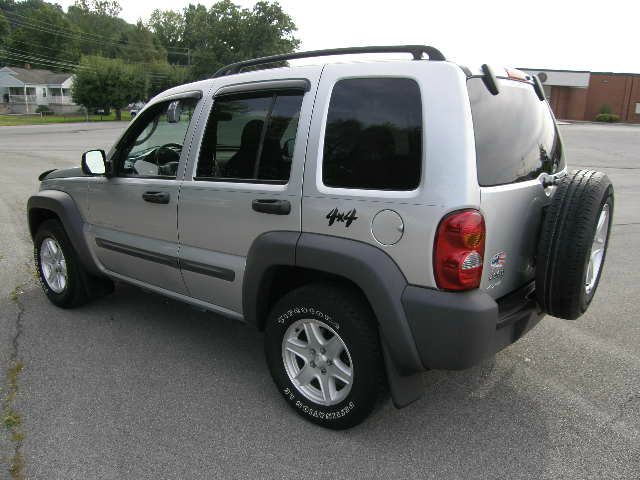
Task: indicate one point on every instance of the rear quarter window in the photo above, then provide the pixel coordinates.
(515, 135)
(373, 137)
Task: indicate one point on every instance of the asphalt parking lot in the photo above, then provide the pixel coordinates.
(135, 386)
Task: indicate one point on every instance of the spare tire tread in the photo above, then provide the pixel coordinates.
(565, 242)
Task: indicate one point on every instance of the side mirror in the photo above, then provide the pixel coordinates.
(288, 147)
(94, 162)
(173, 112)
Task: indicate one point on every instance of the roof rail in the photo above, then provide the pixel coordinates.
(416, 50)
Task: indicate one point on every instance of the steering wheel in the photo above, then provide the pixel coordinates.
(168, 164)
(169, 148)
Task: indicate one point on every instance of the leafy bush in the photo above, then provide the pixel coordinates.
(44, 109)
(606, 109)
(607, 117)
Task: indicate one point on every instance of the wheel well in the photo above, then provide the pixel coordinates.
(37, 216)
(281, 279)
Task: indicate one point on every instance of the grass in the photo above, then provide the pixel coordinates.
(13, 295)
(11, 120)
(12, 420)
(16, 467)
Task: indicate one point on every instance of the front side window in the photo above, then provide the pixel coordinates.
(153, 146)
(373, 137)
(250, 137)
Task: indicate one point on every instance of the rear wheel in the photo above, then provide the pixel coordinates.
(322, 349)
(573, 243)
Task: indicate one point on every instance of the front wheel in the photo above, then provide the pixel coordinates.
(63, 278)
(323, 352)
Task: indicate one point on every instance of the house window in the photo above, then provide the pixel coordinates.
(44, 92)
(637, 108)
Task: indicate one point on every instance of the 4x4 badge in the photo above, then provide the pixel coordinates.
(348, 217)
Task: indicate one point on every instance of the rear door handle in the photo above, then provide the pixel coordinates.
(271, 205)
(156, 197)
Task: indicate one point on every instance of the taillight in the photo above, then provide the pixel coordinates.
(459, 250)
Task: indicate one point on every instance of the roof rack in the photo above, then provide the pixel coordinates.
(416, 50)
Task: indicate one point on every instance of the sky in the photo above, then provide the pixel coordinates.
(560, 34)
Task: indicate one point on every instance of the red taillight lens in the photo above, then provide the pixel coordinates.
(459, 250)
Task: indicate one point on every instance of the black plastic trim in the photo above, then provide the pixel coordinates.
(417, 51)
(489, 79)
(138, 252)
(265, 86)
(44, 174)
(63, 206)
(456, 330)
(197, 94)
(240, 180)
(369, 267)
(171, 261)
(537, 86)
(209, 270)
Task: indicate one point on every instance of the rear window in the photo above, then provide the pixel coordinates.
(373, 138)
(516, 137)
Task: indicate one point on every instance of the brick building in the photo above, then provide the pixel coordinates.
(579, 95)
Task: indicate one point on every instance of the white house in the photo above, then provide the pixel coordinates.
(23, 89)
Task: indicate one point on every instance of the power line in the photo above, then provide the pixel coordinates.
(21, 59)
(84, 36)
(60, 61)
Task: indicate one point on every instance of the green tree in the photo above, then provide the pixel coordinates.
(168, 26)
(106, 35)
(40, 35)
(4, 29)
(109, 8)
(227, 33)
(107, 83)
(162, 76)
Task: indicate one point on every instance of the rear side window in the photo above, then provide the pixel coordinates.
(516, 137)
(373, 137)
(250, 137)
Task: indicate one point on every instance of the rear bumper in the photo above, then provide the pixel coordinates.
(456, 330)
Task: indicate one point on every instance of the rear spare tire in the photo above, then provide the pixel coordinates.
(573, 243)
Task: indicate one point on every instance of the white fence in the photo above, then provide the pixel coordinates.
(22, 98)
(60, 100)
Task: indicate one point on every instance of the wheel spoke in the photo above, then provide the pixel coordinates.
(305, 375)
(340, 371)
(333, 347)
(601, 220)
(328, 387)
(298, 347)
(314, 335)
(597, 249)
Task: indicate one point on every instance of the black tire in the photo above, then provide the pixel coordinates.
(80, 286)
(565, 243)
(349, 315)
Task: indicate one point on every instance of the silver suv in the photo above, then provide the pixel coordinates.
(375, 219)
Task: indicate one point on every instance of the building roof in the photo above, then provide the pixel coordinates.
(36, 76)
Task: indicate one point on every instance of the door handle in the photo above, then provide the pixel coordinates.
(271, 205)
(156, 197)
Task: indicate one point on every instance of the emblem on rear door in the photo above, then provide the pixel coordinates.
(498, 260)
(346, 217)
(496, 273)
